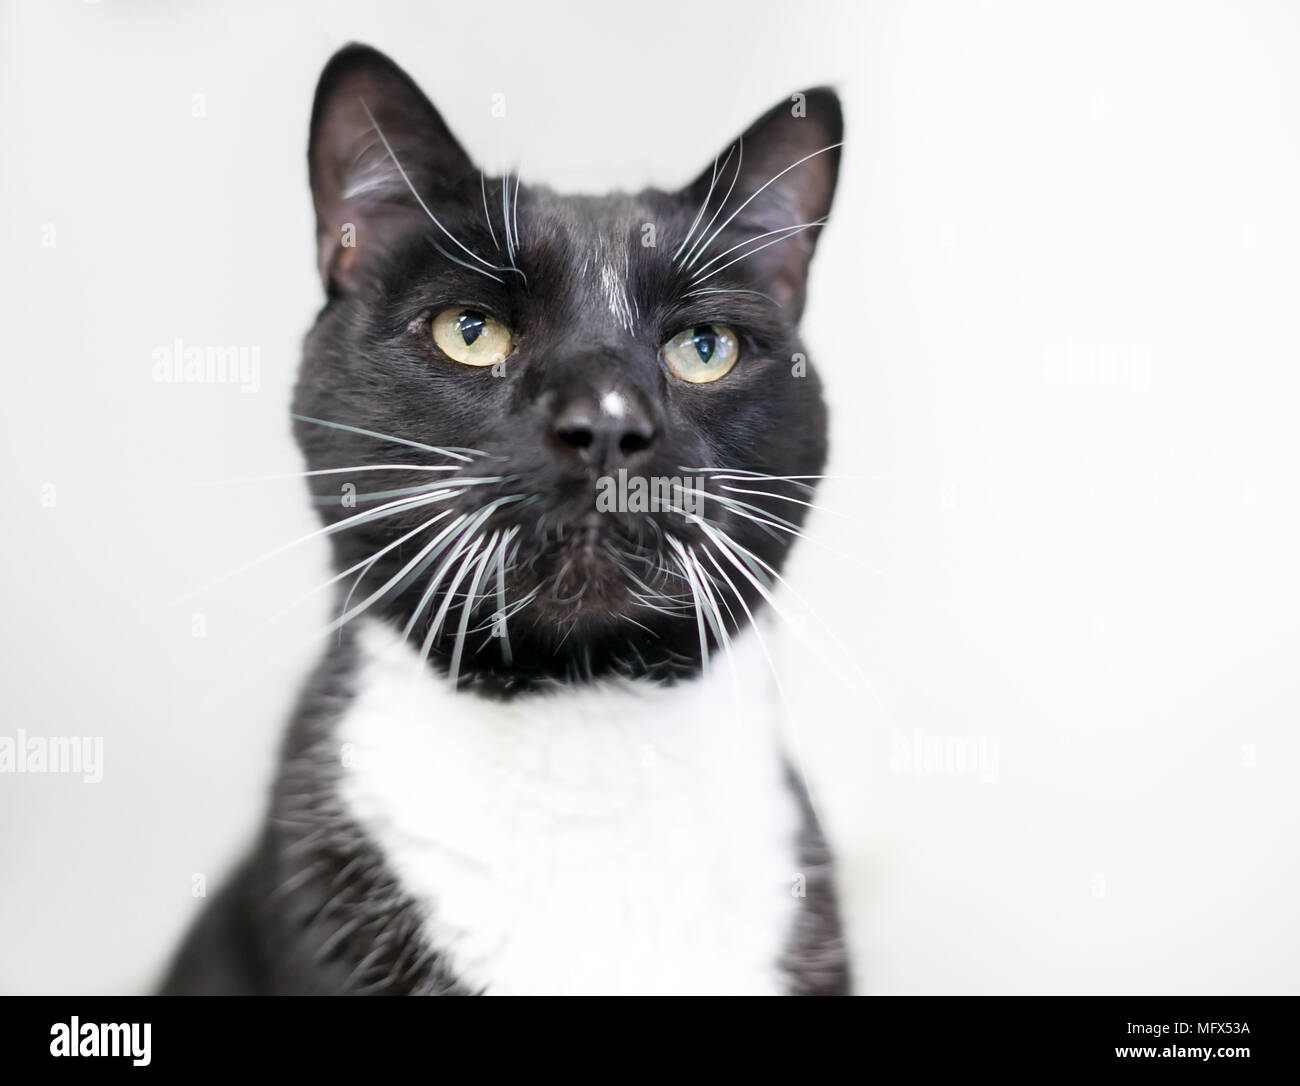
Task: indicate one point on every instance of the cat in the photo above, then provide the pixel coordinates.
(540, 753)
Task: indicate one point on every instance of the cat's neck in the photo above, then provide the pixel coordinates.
(572, 806)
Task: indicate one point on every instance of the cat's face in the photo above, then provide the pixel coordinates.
(567, 430)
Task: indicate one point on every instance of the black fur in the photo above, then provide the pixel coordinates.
(313, 910)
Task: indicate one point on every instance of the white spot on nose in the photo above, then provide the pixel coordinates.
(614, 405)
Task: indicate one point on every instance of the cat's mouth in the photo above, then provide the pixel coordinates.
(594, 566)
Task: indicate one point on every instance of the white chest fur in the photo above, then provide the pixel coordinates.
(621, 838)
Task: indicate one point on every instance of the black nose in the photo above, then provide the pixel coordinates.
(614, 431)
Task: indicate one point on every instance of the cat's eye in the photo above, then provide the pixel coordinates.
(471, 336)
(702, 353)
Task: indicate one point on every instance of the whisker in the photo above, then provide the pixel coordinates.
(387, 510)
(516, 210)
(713, 180)
(506, 655)
(467, 608)
(420, 200)
(351, 613)
(475, 521)
(719, 290)
(760, 189)
(776, 578)
(771, 520)
(796, 501)
(680, 556)
(441, 616)
(328, 471)
(449, 486)
(745, 256)
(482, 181)
(695, 254)
(795, 227)
(736, 503)
(455, 454)
(505, 214)
(366, 562)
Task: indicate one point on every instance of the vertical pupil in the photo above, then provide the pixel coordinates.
(472, 323)
(706, 341)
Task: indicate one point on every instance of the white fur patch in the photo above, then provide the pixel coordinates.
(616, 838)
(613, 404)
(615, 290)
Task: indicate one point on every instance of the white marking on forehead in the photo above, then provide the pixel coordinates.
(614, 405)
(615, 289)
(608, 257)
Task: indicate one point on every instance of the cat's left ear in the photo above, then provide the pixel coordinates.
(784, 170)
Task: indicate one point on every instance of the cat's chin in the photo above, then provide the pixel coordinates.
(586, 575)
(582, 580)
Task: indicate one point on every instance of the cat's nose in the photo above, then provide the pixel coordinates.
(612, 430)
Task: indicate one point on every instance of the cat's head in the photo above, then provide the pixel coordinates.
(558, 437)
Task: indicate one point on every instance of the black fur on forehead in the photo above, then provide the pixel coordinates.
(408, 228)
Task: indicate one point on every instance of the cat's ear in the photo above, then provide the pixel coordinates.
(784, 170)
(369, 117)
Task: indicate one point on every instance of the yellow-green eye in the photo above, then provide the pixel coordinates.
(471, 336)
(701, 354)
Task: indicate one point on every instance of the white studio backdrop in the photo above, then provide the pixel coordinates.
(1049, 698)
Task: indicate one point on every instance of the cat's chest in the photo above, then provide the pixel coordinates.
(615, 838)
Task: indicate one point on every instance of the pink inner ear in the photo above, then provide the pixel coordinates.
(343, 263)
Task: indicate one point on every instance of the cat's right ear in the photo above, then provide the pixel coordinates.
(376, 141)
(780, 175)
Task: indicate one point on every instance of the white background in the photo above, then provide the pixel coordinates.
(1055, 315)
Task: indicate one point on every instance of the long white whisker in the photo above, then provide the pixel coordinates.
(482, 181)
(515, 216)
(467, 608)
(505, 215)
(455, 454)
(367, 563)
(759, 237)
(720, 290)
(328, 471)
(745, 256)
(760, 189)
(420, 200)
(464, 263)
(474, 521)
(796, 501)
(698, 251)
(758, 563)
(713, 180)
(771, 520)
(436, 626)
(736, 503)
(386, 510)
(457, 485)
(352, 612)
(680, 555)
(506, 655)
(719, 630)
(712, 613)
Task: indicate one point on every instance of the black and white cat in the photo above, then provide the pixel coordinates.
(541, 753)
